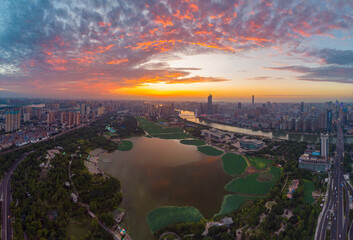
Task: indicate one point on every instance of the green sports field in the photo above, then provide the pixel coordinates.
(309, 187)
(258, 162)
(194, 142)
(233, 164)
(211, 151)
(251, 184)
(163, 216)
(160, 131)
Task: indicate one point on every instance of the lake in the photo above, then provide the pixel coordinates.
(159, 172)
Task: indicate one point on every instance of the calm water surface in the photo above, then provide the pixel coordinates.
(158, 172)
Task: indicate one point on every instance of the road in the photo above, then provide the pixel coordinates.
(336, 209)
(338, 222)
(5, 193)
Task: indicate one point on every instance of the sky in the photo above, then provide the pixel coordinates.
(297, 50)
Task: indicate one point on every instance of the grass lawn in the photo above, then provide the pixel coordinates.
(77, 230)
(125, 145)
(161, 131)
(252, 185)
(232, 202)
(309, 187)
(194, 142)
(180, 135)
(258, 162)
(233, 164)
(208, 150)
(161, 217)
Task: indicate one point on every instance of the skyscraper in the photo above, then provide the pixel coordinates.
(239, 105)
(302, 107)
(324, 145)
(253, 99)
(13, 121)
(50, 118)
(209, 105)
(329, 120)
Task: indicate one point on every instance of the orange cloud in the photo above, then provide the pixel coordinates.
(165, 21)
(56, 61)
(301, 32)
(118, 61)
(101, 49)
(103, 24)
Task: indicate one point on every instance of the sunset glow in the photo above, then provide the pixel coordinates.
(178, 49)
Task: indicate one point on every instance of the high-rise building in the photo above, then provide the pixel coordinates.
(239, 105)
(27, 117)
(100, 111)
(83, 109)
(71, 118)
(50, 118)
(13, 121)
(253, 99)
(63, 118)
(77, 119)
(209, 105)
(88, 109)
(324, 145)
(329, 120)
(302, 107)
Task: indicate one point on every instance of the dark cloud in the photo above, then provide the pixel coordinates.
(337, 74)
(334, 56)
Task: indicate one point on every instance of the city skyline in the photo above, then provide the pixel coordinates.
(178, 50)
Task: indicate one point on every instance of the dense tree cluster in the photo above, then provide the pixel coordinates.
(42, 205)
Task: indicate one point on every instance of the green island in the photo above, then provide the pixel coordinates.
(234, 164)
(194, 142)
(125, 145)
(253, 183)
(259, 162)
(165, 216)
(210, 151)
(232, 202)
(160, 131)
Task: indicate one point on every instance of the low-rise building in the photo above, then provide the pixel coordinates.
(314, 160)
(214, 135)
(251, 143)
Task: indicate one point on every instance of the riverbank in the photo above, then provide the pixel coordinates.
(308, 138)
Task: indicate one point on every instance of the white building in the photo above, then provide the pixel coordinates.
(324, 145)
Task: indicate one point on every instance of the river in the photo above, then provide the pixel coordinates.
(309, 138)
(159, 172)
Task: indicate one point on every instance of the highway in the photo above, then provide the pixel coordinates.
(5, 193)
(334, 215)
